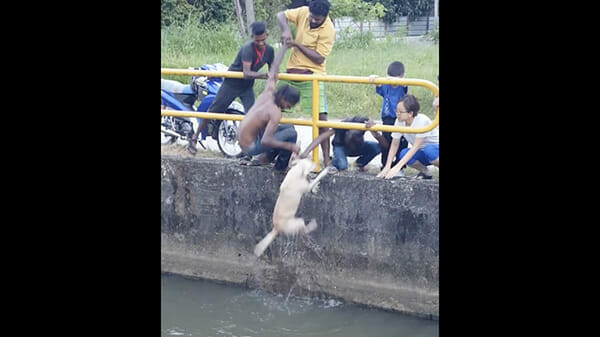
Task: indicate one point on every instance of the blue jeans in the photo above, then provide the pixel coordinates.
(425, 155)
(284, 133)
(366, 153)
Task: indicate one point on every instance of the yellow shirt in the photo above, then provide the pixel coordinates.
(319, 39)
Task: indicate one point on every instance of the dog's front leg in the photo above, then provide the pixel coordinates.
(313, 187)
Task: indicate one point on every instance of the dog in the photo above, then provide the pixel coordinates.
(293, 186)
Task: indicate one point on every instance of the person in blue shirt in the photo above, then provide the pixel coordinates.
(391, 95)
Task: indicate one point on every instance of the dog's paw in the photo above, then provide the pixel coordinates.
(315, 188)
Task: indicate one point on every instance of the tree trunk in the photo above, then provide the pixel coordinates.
(249, 12)
(436, 12)
(238, 13)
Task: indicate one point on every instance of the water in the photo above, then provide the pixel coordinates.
(207, 309)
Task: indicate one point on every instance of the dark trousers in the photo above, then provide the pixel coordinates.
(227, 93)
(284, 133)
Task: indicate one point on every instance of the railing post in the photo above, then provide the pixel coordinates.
(315, 119)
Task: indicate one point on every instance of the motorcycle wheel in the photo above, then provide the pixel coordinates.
(227, 138)
(168, 135)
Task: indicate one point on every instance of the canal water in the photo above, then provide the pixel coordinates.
(191, 307)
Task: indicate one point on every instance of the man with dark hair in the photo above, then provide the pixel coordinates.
(351, 143)
(250, 58)
(315, 35)
(260, 131)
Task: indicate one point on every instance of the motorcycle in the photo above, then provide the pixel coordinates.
(175, 95)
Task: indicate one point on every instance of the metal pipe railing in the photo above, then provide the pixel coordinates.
(315, 123)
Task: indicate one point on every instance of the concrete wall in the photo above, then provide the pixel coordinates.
(376, 244)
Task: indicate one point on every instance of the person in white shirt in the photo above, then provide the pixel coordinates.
(424, 147)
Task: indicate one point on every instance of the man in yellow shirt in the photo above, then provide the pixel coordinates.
(314, 39)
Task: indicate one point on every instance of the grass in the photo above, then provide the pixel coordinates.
(193, 46)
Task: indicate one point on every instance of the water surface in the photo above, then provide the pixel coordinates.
(192, 307)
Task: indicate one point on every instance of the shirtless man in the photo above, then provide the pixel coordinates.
(260, 130)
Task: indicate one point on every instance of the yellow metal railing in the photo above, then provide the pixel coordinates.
(315, 123)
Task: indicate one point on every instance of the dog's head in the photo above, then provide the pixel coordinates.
(305, 165)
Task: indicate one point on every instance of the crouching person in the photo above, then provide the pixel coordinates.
(424, 148)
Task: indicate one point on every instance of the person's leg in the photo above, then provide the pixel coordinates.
(325, 143)
(388, 137)
(284, 133)
(323, 117)
(247, 98)
(367, 152)
(429, 155)
(402, 145)
(420, 161)
(339, 161)
(305, 90)
(223, 98)
(432, 153)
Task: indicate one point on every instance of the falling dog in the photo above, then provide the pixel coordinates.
(294, 185)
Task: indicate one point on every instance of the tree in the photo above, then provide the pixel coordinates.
(358, 10)
(238, 13)
(249, 12)
(436, 12)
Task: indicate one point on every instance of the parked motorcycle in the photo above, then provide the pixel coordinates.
(202, 90)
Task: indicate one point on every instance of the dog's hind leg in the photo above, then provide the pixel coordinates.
(293, 226)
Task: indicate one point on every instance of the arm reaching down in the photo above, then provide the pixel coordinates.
(317, 141)
(274, 68)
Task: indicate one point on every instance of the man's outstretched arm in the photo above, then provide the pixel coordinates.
(274, 68)
(320, 138)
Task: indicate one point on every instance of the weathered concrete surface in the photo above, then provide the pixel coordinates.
(376, 244)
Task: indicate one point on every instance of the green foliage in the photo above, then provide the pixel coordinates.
(358, 10)
(175, 12)
(420, 59)
(195, 45)
(352, 39)
(266, 10)
(399, 35)
(197, 39)
(433, 35)
(410, 8)
(182, 12)
(189, 42)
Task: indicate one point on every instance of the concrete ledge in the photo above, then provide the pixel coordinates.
(376, 244)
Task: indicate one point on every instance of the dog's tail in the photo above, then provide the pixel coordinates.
(264, 243)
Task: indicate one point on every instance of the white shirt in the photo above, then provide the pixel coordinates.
(421, 120)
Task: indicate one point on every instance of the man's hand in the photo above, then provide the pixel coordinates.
(286, 38)
(315, 188)
(291, 43)
(369, 124)
(372, 78)
(295, 149)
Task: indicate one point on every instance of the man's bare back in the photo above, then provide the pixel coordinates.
(264, 116)
(258, 117)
